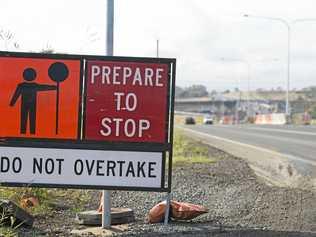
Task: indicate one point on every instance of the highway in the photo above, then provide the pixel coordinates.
(295, 142)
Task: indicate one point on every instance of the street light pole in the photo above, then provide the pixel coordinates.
(248, 87)
(287, 24)
(157, 48)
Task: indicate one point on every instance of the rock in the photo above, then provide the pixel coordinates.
(98, 231)
(10, 209)
(118, 216)
(58, 205)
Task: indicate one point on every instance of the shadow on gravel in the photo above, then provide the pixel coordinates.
(231, 233)
(255, 233)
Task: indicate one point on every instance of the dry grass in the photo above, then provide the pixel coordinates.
(186, 150)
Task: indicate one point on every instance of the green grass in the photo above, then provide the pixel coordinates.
(17, 194)
(49, 199)
(74, 199)
(188, 151)
(7, 232)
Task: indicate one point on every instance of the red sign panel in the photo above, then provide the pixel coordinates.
(126, 101)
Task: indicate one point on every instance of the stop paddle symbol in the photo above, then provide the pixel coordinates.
(58, 72)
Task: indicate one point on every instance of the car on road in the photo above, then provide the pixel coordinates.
(189, 120)
(208, 120)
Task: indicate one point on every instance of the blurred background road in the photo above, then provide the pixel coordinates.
(297, 142)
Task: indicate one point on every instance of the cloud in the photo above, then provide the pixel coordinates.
(197, 32)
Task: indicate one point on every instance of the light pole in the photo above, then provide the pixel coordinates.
(157, 48)
(288, 27)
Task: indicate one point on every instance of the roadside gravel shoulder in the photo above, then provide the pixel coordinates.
(239, 204)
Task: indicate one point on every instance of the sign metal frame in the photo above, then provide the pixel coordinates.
(165, 148)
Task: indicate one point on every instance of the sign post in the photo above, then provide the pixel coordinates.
(106, 211)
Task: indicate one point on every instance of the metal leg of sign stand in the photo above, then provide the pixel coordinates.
(168, 201)
(106, 210)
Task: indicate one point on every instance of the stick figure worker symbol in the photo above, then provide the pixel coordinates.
(28, 91)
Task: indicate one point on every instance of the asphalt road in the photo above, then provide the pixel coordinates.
(294, 141)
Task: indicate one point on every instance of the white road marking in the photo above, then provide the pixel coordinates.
(291, 157)
(284, 131)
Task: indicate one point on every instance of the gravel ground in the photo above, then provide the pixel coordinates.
(239, 204)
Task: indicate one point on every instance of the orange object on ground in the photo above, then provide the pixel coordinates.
(100, 207)
(186, 211)
(178, 211)
(29, 202)
(157, 213)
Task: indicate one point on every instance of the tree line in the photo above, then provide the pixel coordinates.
(191, 91)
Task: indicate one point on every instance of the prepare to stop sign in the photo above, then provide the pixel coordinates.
(126, 101)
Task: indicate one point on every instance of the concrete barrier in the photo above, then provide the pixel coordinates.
(227, 120)
(273, 119)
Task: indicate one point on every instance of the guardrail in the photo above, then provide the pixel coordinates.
(189, 113)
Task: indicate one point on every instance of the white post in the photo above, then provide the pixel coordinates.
(106, 197)
(167, 212)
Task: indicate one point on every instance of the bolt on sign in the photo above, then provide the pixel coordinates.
(86, 121)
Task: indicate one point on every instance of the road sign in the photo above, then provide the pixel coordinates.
(76, 167)
(86, 121)
(28, 99)
(126, 101)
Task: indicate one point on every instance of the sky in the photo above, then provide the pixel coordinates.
(214, 44)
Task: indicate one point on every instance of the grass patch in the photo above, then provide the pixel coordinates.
(48, 198)
(17, 194)
(186, 150)
(7, 232)
(7, 228)
(73, 200)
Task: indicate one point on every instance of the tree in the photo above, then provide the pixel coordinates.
(279, 89)
(213, 93)
(7, 39)
(310, 92)
(313, 113)
(179, 91)
(48, 49)
(191, 91)
(195, 91)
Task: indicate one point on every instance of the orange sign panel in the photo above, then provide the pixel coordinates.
(39, 98)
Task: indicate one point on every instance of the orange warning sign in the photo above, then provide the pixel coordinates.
(39, 97)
